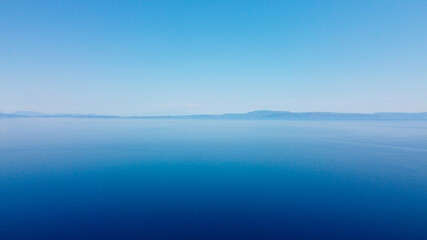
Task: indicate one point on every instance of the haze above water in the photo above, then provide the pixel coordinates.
(212, 179)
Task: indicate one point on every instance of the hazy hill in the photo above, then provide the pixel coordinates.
(262, 114)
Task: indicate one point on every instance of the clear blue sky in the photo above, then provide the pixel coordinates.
(185, 57)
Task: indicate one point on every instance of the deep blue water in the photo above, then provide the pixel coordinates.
(212, 179)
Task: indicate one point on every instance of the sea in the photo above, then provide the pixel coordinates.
(67, 178)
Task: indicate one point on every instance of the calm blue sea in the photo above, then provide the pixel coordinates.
(212, 179)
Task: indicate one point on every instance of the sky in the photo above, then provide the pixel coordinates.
(196, 57)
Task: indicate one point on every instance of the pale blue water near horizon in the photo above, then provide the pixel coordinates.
(212, 179)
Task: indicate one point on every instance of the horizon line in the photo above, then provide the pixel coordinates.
(90, 115)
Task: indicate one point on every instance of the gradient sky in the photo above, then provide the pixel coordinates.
(186, 57)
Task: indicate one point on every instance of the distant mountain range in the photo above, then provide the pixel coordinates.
(262, 114)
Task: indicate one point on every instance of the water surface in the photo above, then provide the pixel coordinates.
(212, 179)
